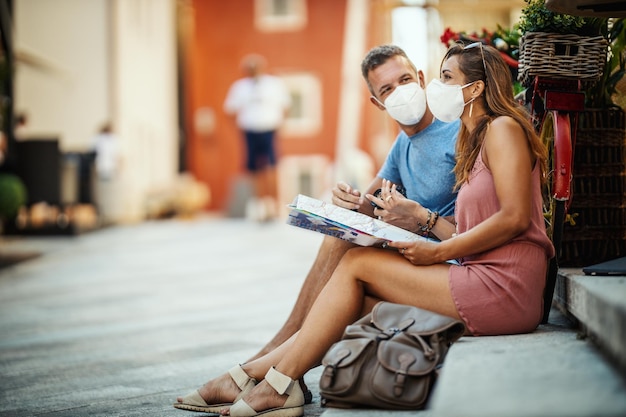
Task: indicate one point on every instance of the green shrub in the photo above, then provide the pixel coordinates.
(12, 196)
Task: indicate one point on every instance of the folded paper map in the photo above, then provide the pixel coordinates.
(329, 219)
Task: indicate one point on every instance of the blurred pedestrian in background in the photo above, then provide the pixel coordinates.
(108, 164)
(259, 102)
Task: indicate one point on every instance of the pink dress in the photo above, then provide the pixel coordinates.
(500, 291)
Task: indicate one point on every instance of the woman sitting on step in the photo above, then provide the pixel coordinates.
(499, 240)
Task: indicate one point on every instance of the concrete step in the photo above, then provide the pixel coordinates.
(550, 372)
(598, 305)
(573, 366)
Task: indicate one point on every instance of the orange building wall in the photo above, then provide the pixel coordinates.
(223, 32)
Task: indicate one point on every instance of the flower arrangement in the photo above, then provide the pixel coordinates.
(536, 17)
(504, 40)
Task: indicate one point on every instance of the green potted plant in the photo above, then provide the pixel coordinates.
(12, 197)
(560, 46)
(537, 18)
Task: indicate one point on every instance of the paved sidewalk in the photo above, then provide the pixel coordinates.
(120, 321)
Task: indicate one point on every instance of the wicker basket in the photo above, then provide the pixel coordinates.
(561, 56)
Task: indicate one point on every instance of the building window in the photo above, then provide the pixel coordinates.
(280, 15)
(305, 115)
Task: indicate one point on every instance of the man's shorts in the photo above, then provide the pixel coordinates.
(261, 152)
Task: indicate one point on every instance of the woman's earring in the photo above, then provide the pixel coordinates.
(471, 108)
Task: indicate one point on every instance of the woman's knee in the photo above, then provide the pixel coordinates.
(354, 256)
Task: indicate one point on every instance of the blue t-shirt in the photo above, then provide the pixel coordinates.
(423, 164)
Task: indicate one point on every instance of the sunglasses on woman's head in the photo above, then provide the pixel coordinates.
(482, 54)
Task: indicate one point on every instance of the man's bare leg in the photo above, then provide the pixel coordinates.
(330, 253)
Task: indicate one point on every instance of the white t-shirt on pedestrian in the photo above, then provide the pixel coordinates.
(259, 103)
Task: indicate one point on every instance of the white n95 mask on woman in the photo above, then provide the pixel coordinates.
(445, 101)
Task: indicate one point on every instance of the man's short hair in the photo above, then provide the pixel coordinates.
(378, 56)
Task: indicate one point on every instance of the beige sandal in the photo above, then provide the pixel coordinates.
(282, 384)
(194, 402)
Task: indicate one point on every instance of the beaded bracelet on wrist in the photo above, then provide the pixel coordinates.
(426, 228)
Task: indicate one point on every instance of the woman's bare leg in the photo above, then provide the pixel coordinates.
(330, 253)
(223, 388)
(362, 272)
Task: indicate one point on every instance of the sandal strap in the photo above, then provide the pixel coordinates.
(194, 399)
(281, 383)
(240, 376)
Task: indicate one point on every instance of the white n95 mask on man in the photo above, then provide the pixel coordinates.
(406, 104)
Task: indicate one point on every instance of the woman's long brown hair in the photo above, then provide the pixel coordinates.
(498, 101)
